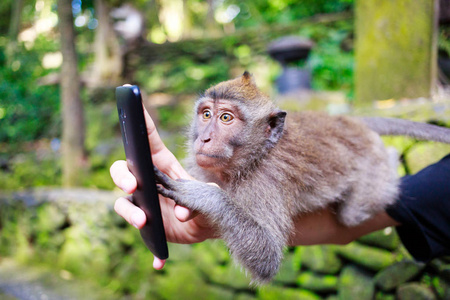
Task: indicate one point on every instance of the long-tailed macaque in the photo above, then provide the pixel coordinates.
(271, 166)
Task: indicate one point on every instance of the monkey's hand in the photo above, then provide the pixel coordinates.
(251, 242)
(199, 196)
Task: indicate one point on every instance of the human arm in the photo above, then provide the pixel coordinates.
(322, 227)
(421, 215)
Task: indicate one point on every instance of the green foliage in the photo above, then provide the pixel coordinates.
(253, 13)
(27, 110)
(330, 62)
(182, 75)
(87, 240)
(5, 12)
(26, 170)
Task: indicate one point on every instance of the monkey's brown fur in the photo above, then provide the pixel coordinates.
(270, 171)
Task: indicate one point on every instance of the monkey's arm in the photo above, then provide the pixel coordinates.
(255, 246)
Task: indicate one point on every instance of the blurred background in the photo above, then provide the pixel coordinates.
(60, 62)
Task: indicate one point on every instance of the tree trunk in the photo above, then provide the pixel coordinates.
(108, 65)
(14, 27)
(187, 21)
(212, 27)
(73, 154)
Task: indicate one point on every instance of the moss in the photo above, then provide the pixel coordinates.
(396, 274)
(355, 283)
(387, 239)
(317, 283)
(280, 293)
(394, 51)
(414, 291)
(322, 259)
(288, 271)
(372, 258)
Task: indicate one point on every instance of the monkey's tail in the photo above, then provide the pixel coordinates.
(421, 131)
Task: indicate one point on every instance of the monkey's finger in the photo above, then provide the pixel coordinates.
(131, 213)
(122, 177)
(163, 179)
(168, 193)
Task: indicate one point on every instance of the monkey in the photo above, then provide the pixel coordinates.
(271, 167)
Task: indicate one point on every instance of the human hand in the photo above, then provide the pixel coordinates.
(181, 224)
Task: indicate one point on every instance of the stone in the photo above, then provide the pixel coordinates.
(383, 296)
(355, 283)
(386, 238)
(397, 274)
(183, 281)
(374, 259)
(244, 296)
(322, 259)
(445, 272)
(441, 287)
(282, 293)
(288, 272)
(317, 283)
(414, 291)
(213, 259)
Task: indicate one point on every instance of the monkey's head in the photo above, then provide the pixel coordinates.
(235, 124)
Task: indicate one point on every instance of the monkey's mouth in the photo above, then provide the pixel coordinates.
(210, 155)
(210, 160)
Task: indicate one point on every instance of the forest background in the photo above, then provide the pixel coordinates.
(59, 128)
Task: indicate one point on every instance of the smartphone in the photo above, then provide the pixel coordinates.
(139, 161)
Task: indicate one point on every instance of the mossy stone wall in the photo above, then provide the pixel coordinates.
(395, 48)
(87, 240)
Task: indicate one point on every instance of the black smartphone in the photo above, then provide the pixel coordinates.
(139, 161)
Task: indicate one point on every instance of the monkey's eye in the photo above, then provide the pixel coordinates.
(206, 114)
(226, 117)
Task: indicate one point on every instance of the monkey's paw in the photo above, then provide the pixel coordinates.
(195, 195)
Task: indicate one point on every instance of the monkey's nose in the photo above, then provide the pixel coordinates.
(206, 140)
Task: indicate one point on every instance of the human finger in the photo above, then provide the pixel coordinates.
(183, 214)
(157, 144)
(161, 155)
(130, 212)
(158, 264)
(122, 177)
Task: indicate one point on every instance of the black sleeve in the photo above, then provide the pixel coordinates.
(423, 209)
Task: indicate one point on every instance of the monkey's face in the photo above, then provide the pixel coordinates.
(218, 125)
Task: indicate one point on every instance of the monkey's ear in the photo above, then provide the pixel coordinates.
(247, 78)
(275, 126)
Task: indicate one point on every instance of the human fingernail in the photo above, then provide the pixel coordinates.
(158, 264)
(137, 218)
(127, 184)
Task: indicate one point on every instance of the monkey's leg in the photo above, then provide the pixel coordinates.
(351, 213)
(367, 198)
